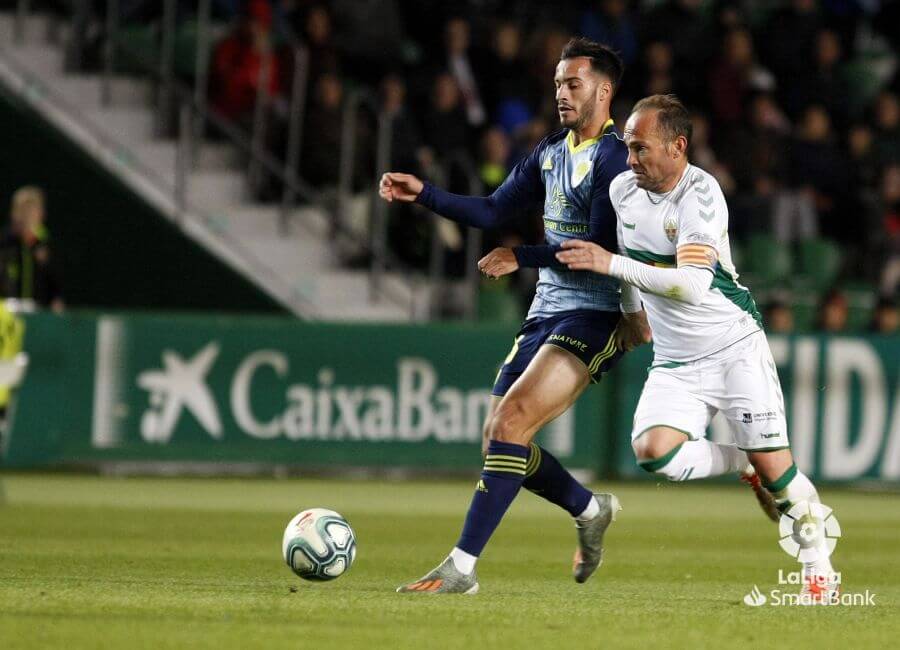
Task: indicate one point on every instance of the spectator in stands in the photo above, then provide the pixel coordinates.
(864, 163)
(659, 78)
(735, 76)
(779, 318)
(790, 37)
(887, 124)
(494, 167)
(508, 89)
(457, 61)
(406, 139)
(833, 313)
(688, 31)
(29, 271)
(889, 209)
(320, 162)
(825, 84)
(611, 25)
(885, 318)
(370, 36)
(701, 153)
(445, 122)
(317, 34)
(242, 61)
(818, 171)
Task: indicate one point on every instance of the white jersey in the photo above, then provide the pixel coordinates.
(651, 228)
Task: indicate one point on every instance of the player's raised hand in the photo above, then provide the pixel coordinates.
(499, 262)
(580, 255)
(633, 330)
(395, 186)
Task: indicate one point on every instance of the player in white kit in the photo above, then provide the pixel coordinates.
(710, 351)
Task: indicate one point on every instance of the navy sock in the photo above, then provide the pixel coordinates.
(547, 478)
(501, 478)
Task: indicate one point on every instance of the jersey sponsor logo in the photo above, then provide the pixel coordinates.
(670, 226)
(629, 226)
(581, 170)
(701, 238)
(548, 162)
(562, 226)
(558, 202)
(568, 340)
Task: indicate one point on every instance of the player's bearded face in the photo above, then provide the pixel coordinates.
(584, 113)
(576, 92)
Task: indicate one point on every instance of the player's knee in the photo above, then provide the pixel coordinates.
(650, 447)
(658, 454)
(508, 424)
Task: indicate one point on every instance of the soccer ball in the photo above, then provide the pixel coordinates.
(318, 544)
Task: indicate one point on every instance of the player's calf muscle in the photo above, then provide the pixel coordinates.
(770, 465)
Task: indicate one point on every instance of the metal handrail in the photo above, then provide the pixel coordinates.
(269, 164)
(474, 236)
(299, 82)
(172, 91)
(114, 147)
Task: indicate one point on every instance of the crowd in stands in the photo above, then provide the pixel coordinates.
(796, 105)
(795, 102)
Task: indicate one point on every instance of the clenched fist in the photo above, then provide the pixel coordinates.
(399, 187)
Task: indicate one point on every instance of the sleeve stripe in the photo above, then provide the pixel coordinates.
(694, 259)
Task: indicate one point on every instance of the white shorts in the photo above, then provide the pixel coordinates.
(740, 380)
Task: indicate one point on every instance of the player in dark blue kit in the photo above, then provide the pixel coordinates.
(573, 332)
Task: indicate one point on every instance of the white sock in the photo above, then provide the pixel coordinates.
(701, 459)
(464, 562)
(800, 488)
(591, 511)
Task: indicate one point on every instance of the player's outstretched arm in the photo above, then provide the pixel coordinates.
(687, 283)
(522, 190)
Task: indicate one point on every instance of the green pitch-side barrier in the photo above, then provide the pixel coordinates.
(144, 388)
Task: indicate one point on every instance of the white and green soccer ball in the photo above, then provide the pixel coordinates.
(319, 544)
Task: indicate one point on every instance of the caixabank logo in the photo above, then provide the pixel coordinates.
(809, 533)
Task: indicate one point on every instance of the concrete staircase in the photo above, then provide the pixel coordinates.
(297, 268)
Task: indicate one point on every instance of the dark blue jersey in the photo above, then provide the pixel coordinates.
(571, 183)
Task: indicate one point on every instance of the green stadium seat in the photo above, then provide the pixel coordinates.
(497, 303)
(820, 263)
(767, 260)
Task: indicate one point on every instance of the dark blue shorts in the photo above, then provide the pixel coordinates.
(585, 333)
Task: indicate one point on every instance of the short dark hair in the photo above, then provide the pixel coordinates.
(603, 59)
(672, 118)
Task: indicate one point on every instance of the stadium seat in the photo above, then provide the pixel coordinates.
(768, 260)
(497, 303)
(820, 263)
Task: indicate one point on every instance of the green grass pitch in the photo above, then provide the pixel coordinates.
(92, 562)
